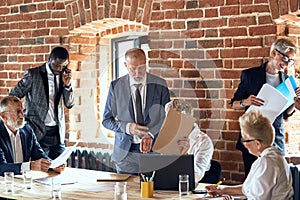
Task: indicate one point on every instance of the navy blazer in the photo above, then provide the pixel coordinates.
(30, 146)
(119, 111)
(252, 80)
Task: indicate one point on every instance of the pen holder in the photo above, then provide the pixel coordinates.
(147, 189)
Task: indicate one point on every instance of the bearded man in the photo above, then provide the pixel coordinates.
(19, 148)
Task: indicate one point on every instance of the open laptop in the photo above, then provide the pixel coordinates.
(167, 169)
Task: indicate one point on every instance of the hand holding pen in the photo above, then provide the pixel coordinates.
(214, 190)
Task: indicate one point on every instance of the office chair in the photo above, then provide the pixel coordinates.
(296, 181)
(214, 174)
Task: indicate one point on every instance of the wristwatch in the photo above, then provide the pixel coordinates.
(241, 104)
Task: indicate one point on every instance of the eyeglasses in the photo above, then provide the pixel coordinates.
(246, 141)
(286, 59)
(16, 112)
(137, 69)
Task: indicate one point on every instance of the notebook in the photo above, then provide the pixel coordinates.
(167, 169)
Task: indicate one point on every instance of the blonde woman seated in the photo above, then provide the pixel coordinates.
(197, 143)
(270, 176)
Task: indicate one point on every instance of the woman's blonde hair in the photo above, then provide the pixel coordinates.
(257, 126)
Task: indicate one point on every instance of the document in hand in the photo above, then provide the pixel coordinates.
(62, 158)
(274, 102)
(287, 88)
(176, 126)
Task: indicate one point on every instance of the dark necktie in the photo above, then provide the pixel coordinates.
(57, 94)
(138, 105)
(55, 85)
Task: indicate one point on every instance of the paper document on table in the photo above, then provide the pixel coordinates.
(274, 102)
(62, 158)
(63, 181)
(206, 197)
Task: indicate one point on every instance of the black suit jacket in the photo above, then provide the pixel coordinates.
(30, 146)
(252, 80)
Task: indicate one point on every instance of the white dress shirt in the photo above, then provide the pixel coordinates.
(269, 177)
(50, 119)
(143, 88)
(16, 145)
(202, 147)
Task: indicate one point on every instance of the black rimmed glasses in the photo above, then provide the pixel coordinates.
(246, 141)
(286, 59)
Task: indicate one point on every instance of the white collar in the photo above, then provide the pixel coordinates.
(49, 71)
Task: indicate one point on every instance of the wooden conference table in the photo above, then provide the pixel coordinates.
(82, 184)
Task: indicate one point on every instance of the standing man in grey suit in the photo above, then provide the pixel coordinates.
(47, 89)
(135, 111)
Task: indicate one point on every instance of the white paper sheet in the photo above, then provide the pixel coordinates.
(62, 158)
(274, 102)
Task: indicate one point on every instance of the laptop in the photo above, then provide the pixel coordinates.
(167, 169)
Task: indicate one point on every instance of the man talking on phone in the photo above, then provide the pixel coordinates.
(47, 89)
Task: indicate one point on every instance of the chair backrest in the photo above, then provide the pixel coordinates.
(295, 170)
(217, 168)
(214, 174)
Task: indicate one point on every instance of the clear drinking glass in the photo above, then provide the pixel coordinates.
(183, 184)
(120, 191)
(9, 182)
(27, 179)
(56, 188)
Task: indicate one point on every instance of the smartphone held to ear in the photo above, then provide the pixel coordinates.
(65, 70)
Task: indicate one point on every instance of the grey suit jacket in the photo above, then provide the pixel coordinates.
(34, 85)
(119, 110)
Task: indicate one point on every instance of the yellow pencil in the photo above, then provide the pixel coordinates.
(219, 183)
(143, 177)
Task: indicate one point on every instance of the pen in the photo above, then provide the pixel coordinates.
(217, 184)
(151, 179)
(220, 182)
(143, 177)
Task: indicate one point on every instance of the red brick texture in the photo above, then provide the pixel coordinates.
(198, 46)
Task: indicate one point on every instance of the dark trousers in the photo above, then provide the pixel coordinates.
(248, 158)
(50, 143)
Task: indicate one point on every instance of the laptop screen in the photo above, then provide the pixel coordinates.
(167, 169)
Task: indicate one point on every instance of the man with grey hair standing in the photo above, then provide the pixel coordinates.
(135, 111)
(282, 54)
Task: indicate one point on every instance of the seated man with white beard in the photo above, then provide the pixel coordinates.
(19, 148)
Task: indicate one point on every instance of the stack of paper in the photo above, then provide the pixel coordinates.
(276, 100)
(62, 158)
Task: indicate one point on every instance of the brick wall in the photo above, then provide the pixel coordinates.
(198, 46)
